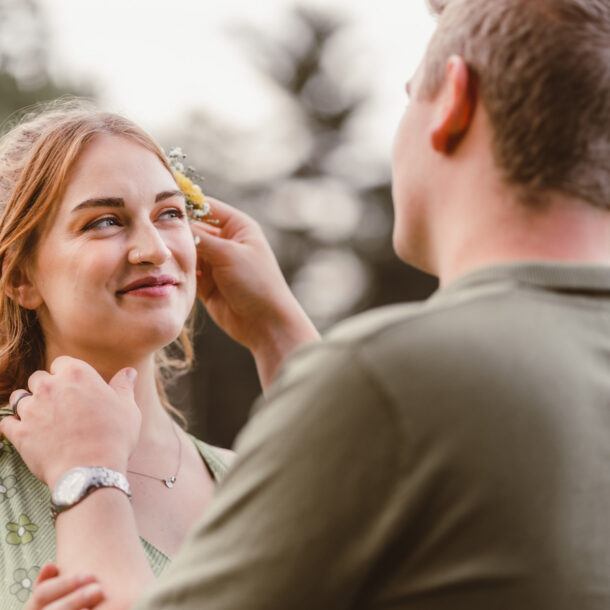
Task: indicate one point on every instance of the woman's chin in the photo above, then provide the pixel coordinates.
(149, 338)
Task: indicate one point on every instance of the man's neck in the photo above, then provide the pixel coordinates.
(563, 230)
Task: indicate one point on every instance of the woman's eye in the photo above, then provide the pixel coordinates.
(100, 223)
(172, 213)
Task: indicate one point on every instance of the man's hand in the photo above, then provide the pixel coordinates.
(55, 592)
(74, 418)
(243, 289)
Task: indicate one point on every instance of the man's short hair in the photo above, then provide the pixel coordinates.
(543, 72)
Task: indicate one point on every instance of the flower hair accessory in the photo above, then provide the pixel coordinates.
(197, 207)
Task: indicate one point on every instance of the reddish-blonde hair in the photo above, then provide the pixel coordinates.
(36, 157)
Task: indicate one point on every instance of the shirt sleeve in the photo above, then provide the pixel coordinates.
(300, 522)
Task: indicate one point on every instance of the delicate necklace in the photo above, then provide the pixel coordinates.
(169, 482)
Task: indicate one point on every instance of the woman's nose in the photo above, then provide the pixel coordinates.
(148, 247)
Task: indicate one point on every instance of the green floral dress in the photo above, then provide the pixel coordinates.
(27, 532)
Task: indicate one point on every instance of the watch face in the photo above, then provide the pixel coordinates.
(80, 481)
(70, 488)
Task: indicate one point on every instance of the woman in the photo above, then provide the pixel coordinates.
(99, 274)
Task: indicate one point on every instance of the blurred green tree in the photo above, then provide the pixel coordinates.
(325, 206)
(24, 73)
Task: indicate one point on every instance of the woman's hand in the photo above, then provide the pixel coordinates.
(74, 418)
(55, 592)
(243, 289)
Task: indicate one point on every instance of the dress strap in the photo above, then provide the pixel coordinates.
(212, 458)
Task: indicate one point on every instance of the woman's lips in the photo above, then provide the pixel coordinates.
(151, 286)
(152, 291)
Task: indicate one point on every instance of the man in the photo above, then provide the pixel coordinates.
(450, 454)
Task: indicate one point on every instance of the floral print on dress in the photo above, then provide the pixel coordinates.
(21, 532)
(8, 487)
(5, 446)
(24, 582)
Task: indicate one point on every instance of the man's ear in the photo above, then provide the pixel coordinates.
(22, 290)
(456, 103)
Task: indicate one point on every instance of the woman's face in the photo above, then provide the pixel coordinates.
(114, 273)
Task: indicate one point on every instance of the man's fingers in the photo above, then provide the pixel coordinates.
(212, 248)
(54, 592)
(221, 211)
(208, 228)
(48, 570)
(53, 588)
(229, 218)
(86, 596)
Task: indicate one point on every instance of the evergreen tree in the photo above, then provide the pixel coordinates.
(324, 222)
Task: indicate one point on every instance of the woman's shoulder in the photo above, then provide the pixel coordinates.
(217, 459)
(227, 455)
(20, 490)
(11, 465)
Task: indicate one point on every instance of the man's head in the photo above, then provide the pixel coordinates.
(542, 69)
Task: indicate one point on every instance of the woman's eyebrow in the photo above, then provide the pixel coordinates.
(100, 202)
(119, 202)
(167, 194)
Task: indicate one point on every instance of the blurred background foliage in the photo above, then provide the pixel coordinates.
(323, 201)
(24, 74)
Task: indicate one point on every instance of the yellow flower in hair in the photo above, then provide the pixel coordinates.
(190, 190)
(196, 205)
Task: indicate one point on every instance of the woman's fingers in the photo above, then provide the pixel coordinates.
(64, 592)
(36, 378)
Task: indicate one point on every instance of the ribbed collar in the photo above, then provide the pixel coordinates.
(568, 277)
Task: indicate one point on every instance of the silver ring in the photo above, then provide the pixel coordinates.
(197, 240)
(15, 403)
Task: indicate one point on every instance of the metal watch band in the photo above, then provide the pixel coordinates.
(76, 484)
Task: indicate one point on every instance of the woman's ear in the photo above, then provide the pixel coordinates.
(22, 290)
(456, 105)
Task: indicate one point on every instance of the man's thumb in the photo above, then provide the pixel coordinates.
(123, 382)
(212, 249)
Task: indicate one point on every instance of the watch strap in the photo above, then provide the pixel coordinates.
(91, 478)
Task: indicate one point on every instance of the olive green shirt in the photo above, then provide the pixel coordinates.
(27, 529)
(453, 454)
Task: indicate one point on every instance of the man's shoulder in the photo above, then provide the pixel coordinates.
(370, 323)
(440, 318)
(465, 339)
(395, 343)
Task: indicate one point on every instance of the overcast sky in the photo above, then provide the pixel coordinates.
(153, 59)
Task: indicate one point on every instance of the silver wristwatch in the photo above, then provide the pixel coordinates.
(79, 482)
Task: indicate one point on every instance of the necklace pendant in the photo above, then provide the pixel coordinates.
(169, 482)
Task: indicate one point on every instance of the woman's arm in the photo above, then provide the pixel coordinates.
(100, 535)
(74, 418)
(243, 289)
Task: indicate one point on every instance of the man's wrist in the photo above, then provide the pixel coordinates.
(279, 338)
